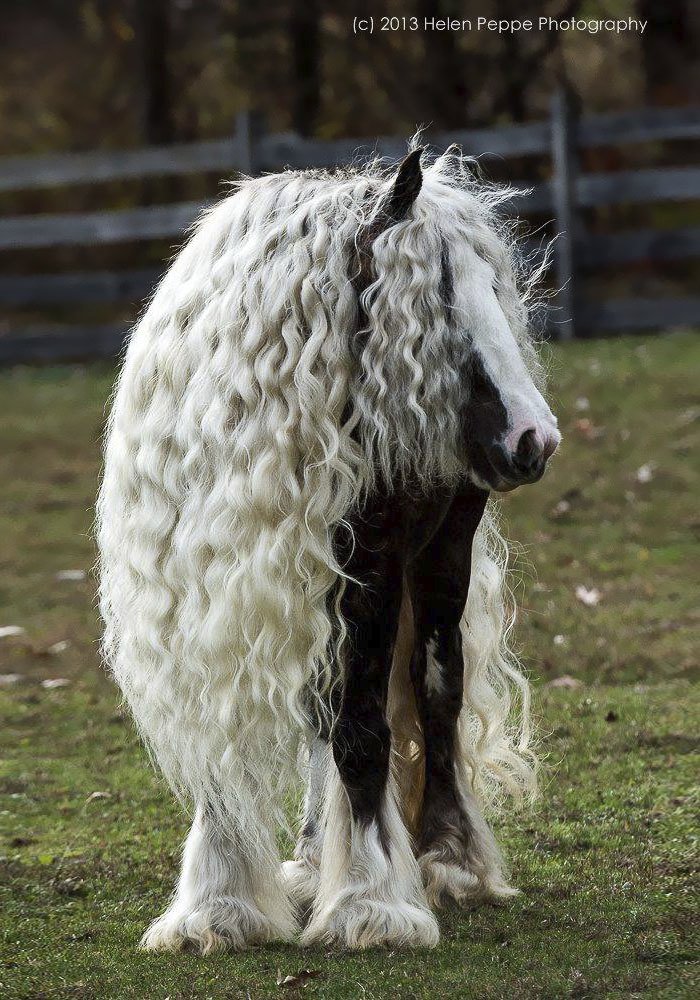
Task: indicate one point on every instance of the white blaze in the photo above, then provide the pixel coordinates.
(501, 357)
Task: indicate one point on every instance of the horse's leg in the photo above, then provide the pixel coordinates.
(301, 874)
(223, 899)
(370, 889)
(458, 854)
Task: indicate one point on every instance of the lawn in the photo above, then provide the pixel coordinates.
(89, 837)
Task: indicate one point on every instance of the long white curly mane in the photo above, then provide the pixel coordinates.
(258, 401)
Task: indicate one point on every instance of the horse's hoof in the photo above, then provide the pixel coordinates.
(301, 879)
(357, 923)
(214, 925)
(449, 880)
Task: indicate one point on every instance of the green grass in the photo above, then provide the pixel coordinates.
(605, 858)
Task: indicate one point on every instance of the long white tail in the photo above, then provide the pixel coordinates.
(225, 476)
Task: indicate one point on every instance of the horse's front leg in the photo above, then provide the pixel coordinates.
(458, 854)
(370, 890)
(223, 898)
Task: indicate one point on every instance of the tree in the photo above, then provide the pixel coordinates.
(153, 35)
(305, 40)
(670, 49)
(444, 67)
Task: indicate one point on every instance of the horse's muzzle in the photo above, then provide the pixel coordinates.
(531, 453)
(524, 460)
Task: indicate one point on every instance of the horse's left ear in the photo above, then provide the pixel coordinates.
(405, 189)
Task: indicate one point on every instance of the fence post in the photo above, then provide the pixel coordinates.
(564, 169)
(244, 148)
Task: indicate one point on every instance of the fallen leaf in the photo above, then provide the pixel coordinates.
(53, 649)
(588, 430)
(565, 681)
(98, 795)
(71, 886)
(9, 630)
(9, 680)
(588, 597)
(300, 979)
(88, 936)
(684, 446)
(65, 575)
(55, 682)
(560, 508)
(566, 502)
(58, 647)
(689, 416)
(21, 841)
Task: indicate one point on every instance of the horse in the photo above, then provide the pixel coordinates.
(302, 574)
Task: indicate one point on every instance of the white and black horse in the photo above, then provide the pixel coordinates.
(300, 564)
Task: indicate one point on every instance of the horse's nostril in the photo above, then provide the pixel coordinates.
(528, 453)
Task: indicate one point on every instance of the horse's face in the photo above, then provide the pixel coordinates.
(506, 431)
(509, 430)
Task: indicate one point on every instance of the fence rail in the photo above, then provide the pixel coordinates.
(628, 187)
(21, 173)
(126, 225)
(90, 287)
(251, 150)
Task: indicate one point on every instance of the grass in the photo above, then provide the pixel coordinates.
(89, 837)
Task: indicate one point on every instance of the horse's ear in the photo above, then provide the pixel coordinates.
(393, 207)
(404, 191)
(452, 155)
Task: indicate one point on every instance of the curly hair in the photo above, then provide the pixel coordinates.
(259, 398)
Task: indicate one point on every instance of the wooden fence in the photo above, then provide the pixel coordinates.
(251, 150)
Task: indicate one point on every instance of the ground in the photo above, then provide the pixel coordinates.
(89, 837)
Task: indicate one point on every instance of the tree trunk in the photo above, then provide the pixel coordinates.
(444, 68)
(305, 37)
(670, 49)
(154, 29)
